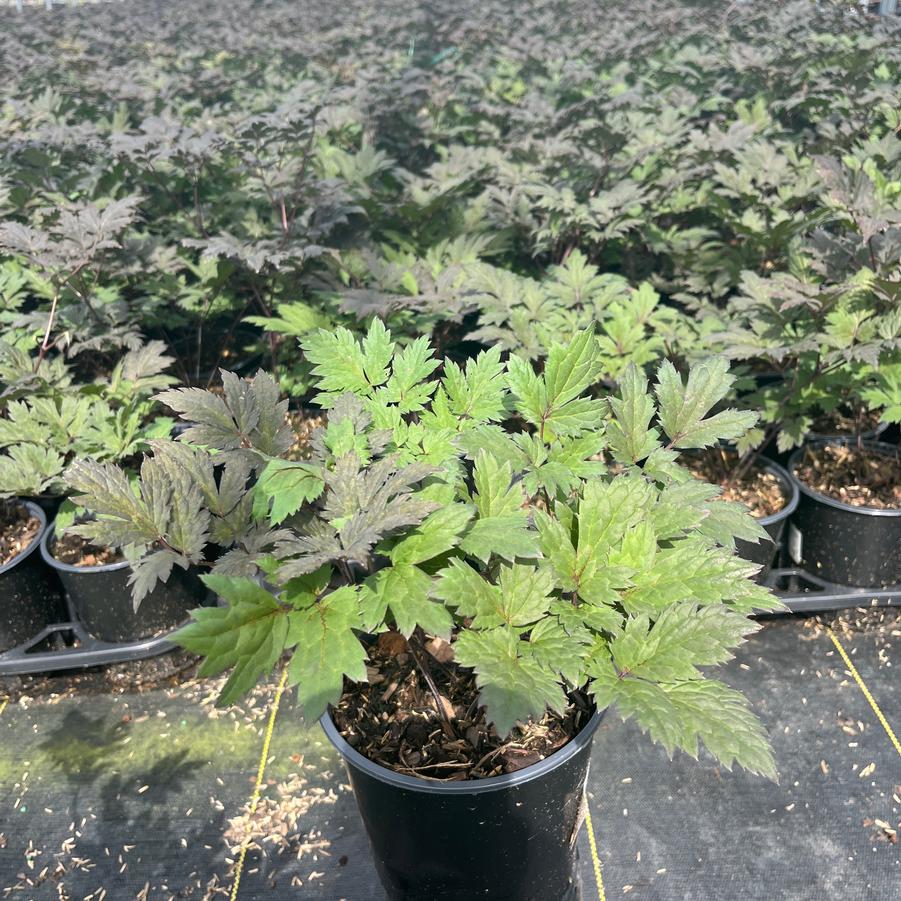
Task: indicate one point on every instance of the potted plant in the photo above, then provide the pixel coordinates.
(830, 327)
(48, 423)
(462, 593)
(526, 316)
(30, 599)
(847, 528)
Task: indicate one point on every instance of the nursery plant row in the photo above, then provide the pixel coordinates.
(687, 188)
(487, 364)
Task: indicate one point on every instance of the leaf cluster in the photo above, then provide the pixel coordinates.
(552, 535)
(49, 419)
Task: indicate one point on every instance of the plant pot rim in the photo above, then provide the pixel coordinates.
(789, 487)
(35, 543)
(787, 483)
(464, 786)
(50, 560)
(882, 446)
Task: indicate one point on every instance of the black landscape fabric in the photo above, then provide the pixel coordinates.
(142, 793)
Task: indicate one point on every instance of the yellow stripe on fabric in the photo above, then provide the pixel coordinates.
(866, 691)
(255, 798)
(595, 858)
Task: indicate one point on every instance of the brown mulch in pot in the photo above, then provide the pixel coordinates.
(844, 422)
(760, 491)
(394, 719)
(859, 476)
(76, 551)
(18, 528)
(303, 423)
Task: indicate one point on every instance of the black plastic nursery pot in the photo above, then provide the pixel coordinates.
(840, 543)
(101, 598)
(30, 594)
(503, 838)
(764, 552)
(783, 458)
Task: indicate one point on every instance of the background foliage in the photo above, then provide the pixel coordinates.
(475, 233)
(230, 179)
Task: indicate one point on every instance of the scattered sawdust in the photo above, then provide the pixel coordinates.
(859, 476)
(18, 529)
(874, 621)
(76, 551)
(878, 627)
(34, 873)
(174, 675)
(881, 831)
(276, 819)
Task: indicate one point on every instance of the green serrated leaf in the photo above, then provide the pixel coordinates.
(288, 486)
(558, 650)
(438, 533)
(513, 686)
(406, 590)
(629, 434)
(506, 536)
(685, 637)
(461, 586)
(525, 594)
(249, 634)
(572, 368)
(407, 386)
(683, 407)
(529, 392)
(325, 650)
(478, 393)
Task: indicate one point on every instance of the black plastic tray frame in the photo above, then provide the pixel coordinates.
(803, 592)
(64, 646)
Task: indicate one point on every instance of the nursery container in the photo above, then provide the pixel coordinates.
(764, 552)
(101, 598)
(783, 458)
(503, 838)
(840, 543)
(30, 594)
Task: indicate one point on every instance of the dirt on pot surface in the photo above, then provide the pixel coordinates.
(394, 721)
(859, 476)
(845, 422)
(303, 423)
(18, 529)
(77, 551)
(760, 491)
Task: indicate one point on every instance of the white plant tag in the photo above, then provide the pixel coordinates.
(795, 543)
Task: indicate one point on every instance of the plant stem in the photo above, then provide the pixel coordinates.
(45, 344)
(422, 665)
(198, 209)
